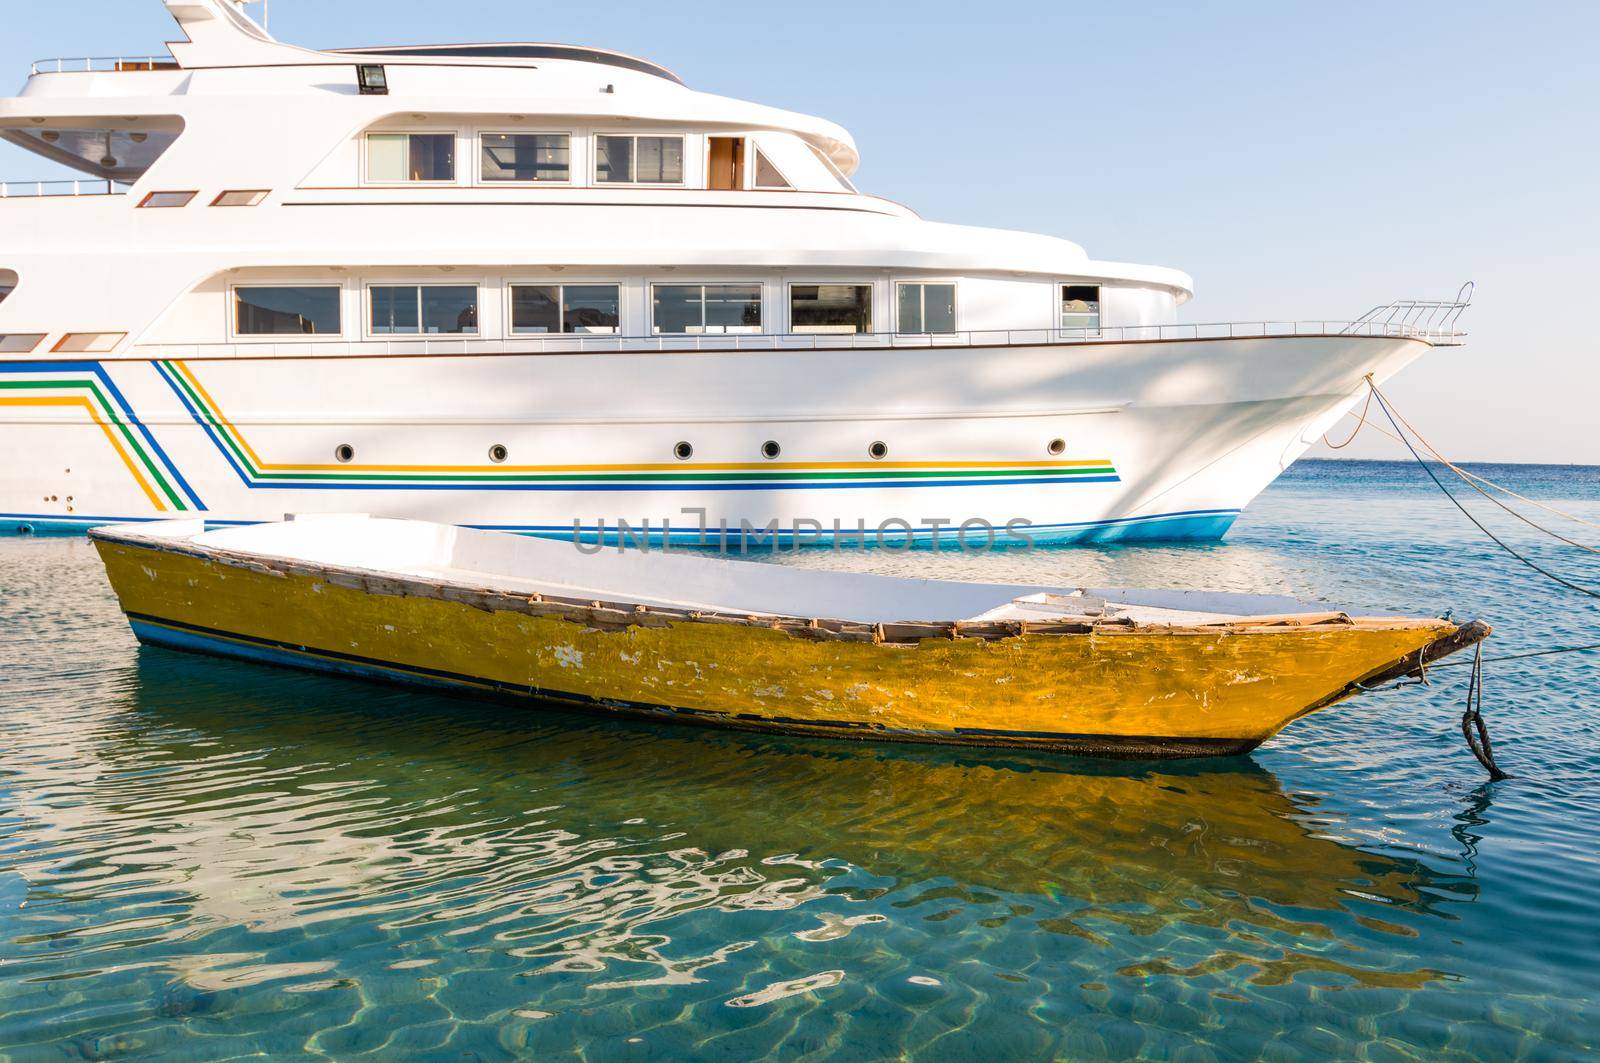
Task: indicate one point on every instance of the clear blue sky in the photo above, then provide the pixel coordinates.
(1299, 160)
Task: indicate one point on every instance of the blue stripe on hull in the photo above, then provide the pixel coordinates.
(1192, 526)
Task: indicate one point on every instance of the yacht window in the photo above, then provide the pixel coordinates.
(399, 157)
(8, 283)
(767, 175)
(638, 160)
(526, 156)
(431, 310)
(167, 199)
(833, 171)
(240, 198)
(927, 307)
(287, 311)
(703, 308)
(830, 308)
(1080, 307)
(538, 308)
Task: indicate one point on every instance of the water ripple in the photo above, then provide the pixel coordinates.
(215, 859)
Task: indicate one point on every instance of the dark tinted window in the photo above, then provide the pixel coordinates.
(830, 308)
(526, 156)
(284, 311)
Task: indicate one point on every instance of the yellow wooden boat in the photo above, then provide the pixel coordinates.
(749, 645)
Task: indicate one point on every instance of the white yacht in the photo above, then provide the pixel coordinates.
(548, 289)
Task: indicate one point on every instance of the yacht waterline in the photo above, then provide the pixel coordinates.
(553, 290)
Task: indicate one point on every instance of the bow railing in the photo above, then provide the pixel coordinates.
(1427, 317)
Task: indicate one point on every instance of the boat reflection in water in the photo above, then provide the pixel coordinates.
(248, 826)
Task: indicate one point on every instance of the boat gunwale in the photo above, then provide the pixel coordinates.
(613, 615)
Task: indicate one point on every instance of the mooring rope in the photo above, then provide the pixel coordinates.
(1360, 424)
(1383, 404)
(1523, 656)
(1465, 474)
(1473, 728)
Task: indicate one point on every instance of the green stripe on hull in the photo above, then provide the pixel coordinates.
(113, 417)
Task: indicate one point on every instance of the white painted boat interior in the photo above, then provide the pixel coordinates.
(686, 579)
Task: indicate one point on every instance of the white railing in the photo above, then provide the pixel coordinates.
(105, 64)
(602, 344)
(36, 189)
(1427, 316)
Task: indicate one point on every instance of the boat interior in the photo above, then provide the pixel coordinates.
(689, 579)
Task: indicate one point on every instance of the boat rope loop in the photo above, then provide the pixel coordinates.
(1473, 728)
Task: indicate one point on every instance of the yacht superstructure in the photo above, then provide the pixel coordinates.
(552, 289)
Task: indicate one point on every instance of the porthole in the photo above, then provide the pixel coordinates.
(498, 453)
(770, 449)
(878, 450)
(1057, 446)
(683, 451)
(344, 452)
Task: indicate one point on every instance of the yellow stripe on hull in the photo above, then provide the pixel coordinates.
(1143, 691)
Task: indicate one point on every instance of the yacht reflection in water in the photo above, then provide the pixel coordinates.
(254, 802)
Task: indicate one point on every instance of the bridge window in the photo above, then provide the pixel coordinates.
(542, 308)
(407, 157)
(311, 310)
(833, 170)
(8, 283)
(927, 307)
(834, 308)
(703, 308)
(638, 160)
(768, 175)
(526, 156)
(1080, 307)
(430, 310)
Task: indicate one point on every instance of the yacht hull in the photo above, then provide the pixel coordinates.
(991, 445)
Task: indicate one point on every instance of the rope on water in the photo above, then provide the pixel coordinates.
(1473, 728)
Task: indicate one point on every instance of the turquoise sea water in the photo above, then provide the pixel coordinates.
(206, 859)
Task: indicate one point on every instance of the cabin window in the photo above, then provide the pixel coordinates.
(287, 311)
(927, 307)
(768, 175)
(428, 310)
(638, 160)
(837, 308)
(539, 308)
(706, 308)
(1080, 307)
(526, 157)
(403, 157)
